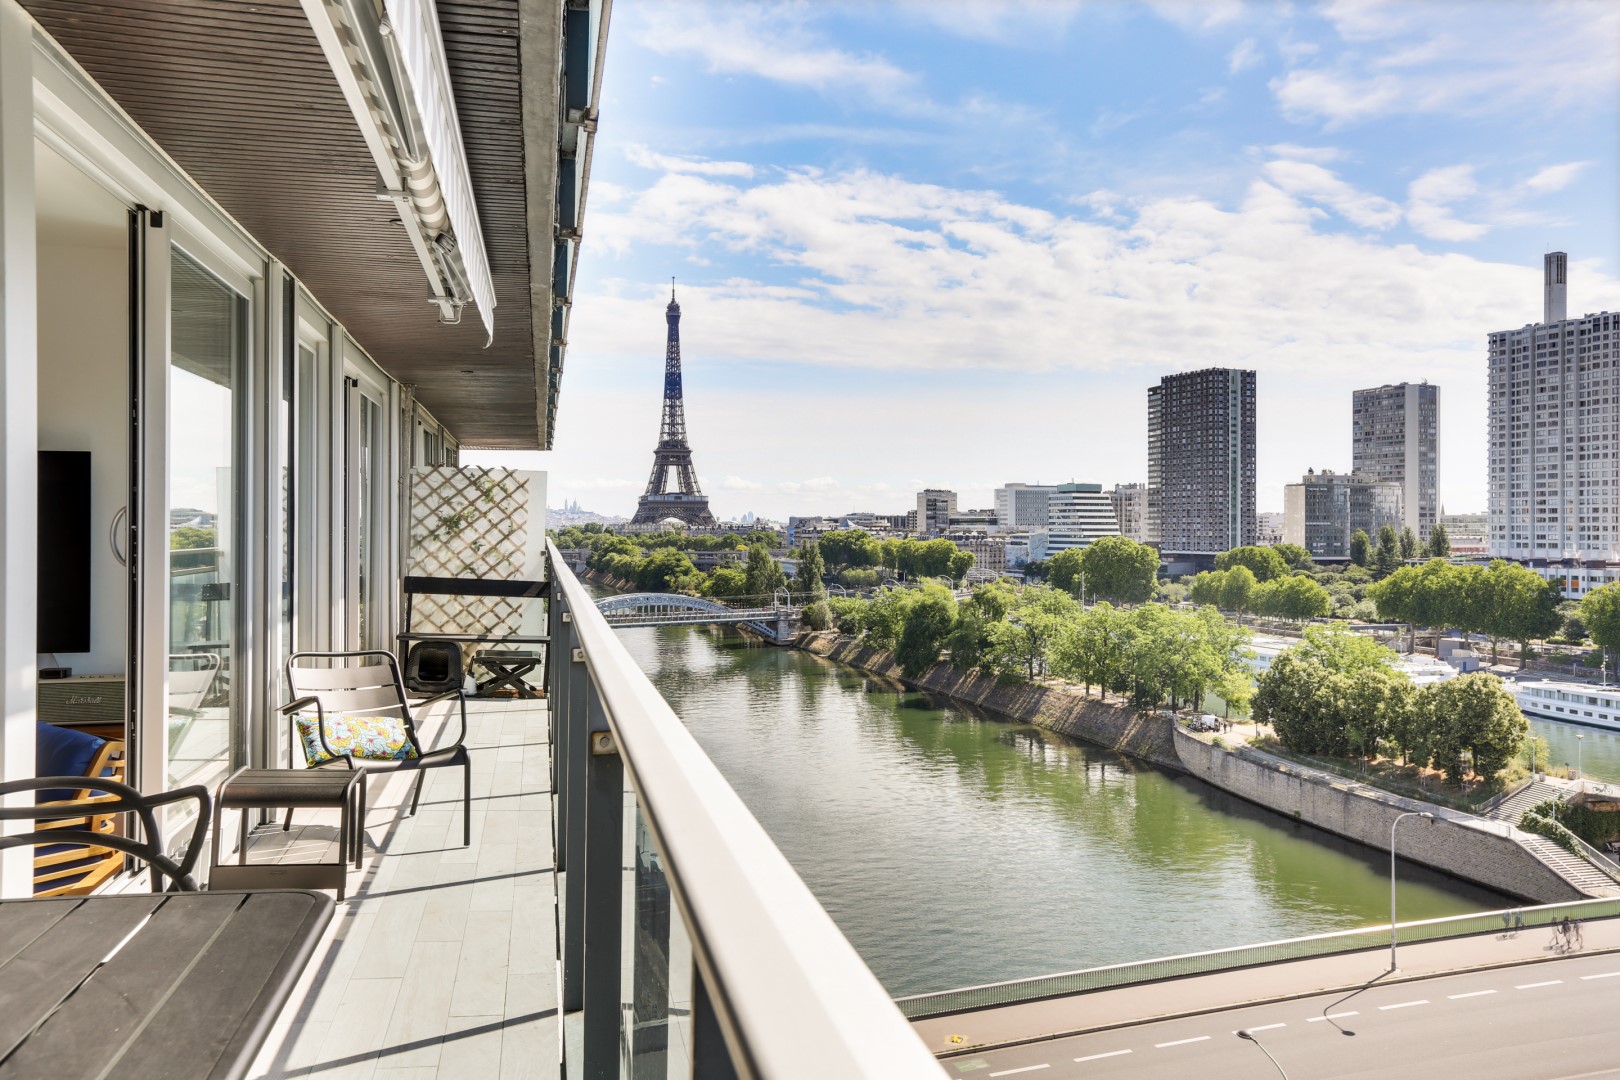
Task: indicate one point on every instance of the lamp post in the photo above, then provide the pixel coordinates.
(1393, 934)
(1248, 1035)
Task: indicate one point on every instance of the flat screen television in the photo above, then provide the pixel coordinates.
(64, 551)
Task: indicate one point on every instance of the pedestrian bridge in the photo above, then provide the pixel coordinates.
(674, 609)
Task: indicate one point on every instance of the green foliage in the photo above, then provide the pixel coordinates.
(969, 641)
(1596, 827)
(726, 582)
(1387, 560)
(848, 613)
(1439, 546)
(1063, 570)
(859, 579)
(1600, 611)
(1340, 649)
(190, 537)
(1153, 653)
(663, 570)
(1409, 544)
(1120, 570)
(960, 563)
(807, 580)
(1205, 589)
(1237, 589)
(852, 548)
(1550, 828)
(1170, 592)
(1038, 570)
(884, 618)
(928, 620)
(1293, 597)
(1295, 556)
(1265, 563)
(1361, 549)
(763, 573)
(816, 616)
(1019, 641)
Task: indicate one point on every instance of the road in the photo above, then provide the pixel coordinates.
(1554, 1020)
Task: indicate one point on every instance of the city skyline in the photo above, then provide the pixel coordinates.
(895, 226)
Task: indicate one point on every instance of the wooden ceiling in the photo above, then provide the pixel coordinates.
(240, 95)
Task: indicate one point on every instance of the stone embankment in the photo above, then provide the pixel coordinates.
(1460, 844)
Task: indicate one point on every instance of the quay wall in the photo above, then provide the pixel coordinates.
(1463, 846)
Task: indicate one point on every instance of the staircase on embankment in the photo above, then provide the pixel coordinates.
(1578, 871)
(1512, 808)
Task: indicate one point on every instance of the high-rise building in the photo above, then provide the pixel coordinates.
(1395, 436)
(1201, 461)
(1325, 509)
(1080, 514)
(1023, 506)
(934, 509)
(1130, 510)
(1555, 435)
(672, 490)
(1268, 527)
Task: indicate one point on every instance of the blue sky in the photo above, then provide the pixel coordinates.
(952, 244)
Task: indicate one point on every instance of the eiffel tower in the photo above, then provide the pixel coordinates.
(680, 499)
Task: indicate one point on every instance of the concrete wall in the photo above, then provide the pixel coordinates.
(1460, 848)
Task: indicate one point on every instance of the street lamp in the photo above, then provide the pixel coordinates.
(1245, 1033)
(1393, 934)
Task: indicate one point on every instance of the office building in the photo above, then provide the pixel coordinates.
(1268, 527)
(1201, 462)
(977, 521)
(1325, 509)
(1023, 506)
(1395, 436)
(1467, 534)
(934, 509)
(1080, 514)
(989, 552)
(1023, 548)
(1554, 413)
(1130, 510)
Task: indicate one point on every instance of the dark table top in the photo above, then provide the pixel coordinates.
(171, 986)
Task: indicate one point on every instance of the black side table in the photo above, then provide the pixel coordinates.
(343, 790)
(507, 668)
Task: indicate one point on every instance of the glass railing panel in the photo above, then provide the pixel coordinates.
(656, 985)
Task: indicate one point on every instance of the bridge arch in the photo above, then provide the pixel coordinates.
(643, 602)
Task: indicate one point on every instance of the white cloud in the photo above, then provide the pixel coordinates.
(1007, 22)
(1294, 152)
(772, 42)
(1444, 58)
(1430, 198)
(737, 483)
(1244, 57)
(1311, 181)
(650, 159)
(1555, 177)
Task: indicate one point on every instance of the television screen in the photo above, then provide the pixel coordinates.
(64, 551)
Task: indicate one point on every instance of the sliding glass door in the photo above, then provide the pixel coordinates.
(208, 327)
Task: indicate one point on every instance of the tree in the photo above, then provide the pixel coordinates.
(190, 537)
(1475, 714)
(807, 579)
(816, 616)
(959, 565)
(850, 548)
(1512, 602)
(883, 619)
(1019, 643)
(1409, 544)
(928, 619)
(1120, 570)
(725, 582)
(1092, 650)
(1295, 556)
(1265, 563)
(1361, 548)
(1238, 589)
(1600, 611)
(661, 570)
(763, 573)
(1388, 558)
(1294, 597)
(1439, 542)
(1336, 647)
(1205, 589)
(1063, 570)
(969, 641)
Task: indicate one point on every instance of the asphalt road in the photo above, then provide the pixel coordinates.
(1557, 1020)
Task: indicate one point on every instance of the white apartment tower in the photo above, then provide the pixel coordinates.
(1555, 434)
(1395, 439)
(1080, 514)
(1023, 506)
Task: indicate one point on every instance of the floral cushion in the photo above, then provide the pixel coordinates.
(369, 738)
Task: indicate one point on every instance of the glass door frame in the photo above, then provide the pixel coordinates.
(368, 625)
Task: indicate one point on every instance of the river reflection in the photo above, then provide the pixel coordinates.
(956, 848)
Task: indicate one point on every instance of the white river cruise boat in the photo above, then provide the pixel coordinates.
(1571, 702)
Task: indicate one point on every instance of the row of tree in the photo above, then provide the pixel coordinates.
(1296, 596)
(1113, 568)
(1148, 654)
(844, 549)
(1394, 550)
(1504, 601)
(1337, 694)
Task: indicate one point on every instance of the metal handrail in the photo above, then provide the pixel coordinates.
(792, 996)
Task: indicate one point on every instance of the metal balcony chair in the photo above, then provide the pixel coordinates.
(118, 799)
(341, 687)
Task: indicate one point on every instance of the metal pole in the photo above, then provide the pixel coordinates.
(573, 797)
(1393, 934)
(602, 877)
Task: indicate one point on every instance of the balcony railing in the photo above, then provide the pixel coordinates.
(689, 945)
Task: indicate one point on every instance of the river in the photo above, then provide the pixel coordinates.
(956, 848)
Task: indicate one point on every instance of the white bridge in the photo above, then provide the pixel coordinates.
(774, 621)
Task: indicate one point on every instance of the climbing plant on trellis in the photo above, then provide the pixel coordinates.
(472, 523)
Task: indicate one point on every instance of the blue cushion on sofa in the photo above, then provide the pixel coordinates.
(62, 751)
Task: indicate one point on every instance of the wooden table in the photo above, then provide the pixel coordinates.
(168, 986)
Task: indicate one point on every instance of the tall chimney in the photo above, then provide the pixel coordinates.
(1555, 287)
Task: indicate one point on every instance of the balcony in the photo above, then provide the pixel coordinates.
(688, 945)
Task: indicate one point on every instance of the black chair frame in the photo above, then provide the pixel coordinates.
(120, 799)
(444, 757)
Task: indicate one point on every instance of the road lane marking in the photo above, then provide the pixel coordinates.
(1605, 975)
(1330, 1016)
(1532, 986)
(1262, 1027)
(1099, 1057)
(1472, 993)
(1403, 1005)
(1026, 1068)
(1181, 1042)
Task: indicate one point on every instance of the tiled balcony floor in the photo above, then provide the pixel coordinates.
(442, 961)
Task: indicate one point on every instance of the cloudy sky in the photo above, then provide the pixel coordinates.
(952, 244)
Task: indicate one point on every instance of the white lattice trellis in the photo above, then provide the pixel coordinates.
(473, 523)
